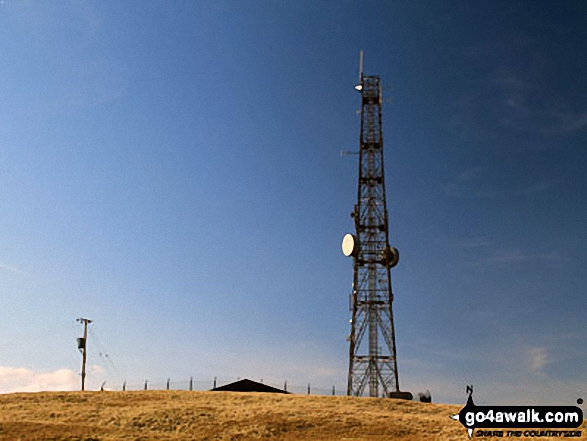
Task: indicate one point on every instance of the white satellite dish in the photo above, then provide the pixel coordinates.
(349, 245)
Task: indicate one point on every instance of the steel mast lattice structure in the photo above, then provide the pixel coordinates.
(372, 354)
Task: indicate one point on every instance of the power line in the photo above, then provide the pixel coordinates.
(104, 353)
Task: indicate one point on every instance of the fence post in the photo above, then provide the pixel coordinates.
(168, 380)
(308, 388)
(145, 384)
(191, 383)
(285, 385)
(214, 382)
(333, 391)
(124, 386)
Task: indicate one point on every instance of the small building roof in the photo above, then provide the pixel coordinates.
(247, 385)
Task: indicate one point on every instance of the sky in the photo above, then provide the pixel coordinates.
(172, 171)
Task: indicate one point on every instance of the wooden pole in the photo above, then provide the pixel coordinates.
(85, 321)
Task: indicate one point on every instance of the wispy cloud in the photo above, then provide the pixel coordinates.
(518, 374)
(479, 183)
(466, 185)
(539, 187)
(537, 359)
(566, 123)
(21, 379)
(549, 116)
(471, 174)
(10, 268)
(520, 107)
(93, 79)
(464, 242)
(475, 243)
(508, 256)
(484, 251)
(26, 380)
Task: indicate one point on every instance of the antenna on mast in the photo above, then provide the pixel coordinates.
(361, 66)
(359, 86)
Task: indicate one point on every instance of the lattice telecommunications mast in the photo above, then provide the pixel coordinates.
(372, 354)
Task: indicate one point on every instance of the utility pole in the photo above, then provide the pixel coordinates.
(82, 346)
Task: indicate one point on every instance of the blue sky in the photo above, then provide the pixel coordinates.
(172, 171)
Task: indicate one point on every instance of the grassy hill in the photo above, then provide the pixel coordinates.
(182, 415)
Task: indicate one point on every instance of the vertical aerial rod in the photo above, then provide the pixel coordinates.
(361, 67)
(372, 351)
(82, 345)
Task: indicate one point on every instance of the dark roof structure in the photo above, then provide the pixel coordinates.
(248, 386)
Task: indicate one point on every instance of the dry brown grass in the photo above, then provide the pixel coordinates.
(180, 415)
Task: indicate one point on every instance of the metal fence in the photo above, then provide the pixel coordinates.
(204, 385)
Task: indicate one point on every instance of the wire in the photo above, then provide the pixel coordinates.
(104, 353)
